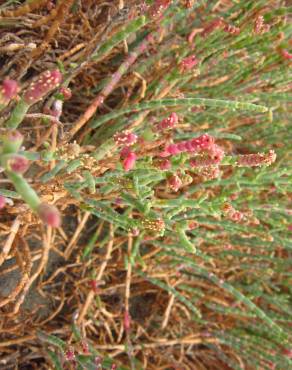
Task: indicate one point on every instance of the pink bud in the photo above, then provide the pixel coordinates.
(9, 90)
(285, 54)
(165, 164)
(17, 163)
(2, 201)
(287, 352)
(129, 161)
(49, 214)
(69, 354)
(98, 360)
(236, 216)
(188, 63)
(174, 182)
(192, 225)
(135, 232)
(85, 347)
(168, 122)
(66, 92)
(46, 82)
(127, 321)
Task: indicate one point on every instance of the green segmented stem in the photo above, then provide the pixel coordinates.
(173, 291)
(24, 190)
(188, 102)
(279, 332)
(185, 243)
(18, 114)
(119, 37)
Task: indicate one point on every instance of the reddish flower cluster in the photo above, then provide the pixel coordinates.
(231, 213)
(209, 172)
(158, 8)
(233, 30)
(66, 92)
(69, 354)
(259, 159)
(46, 82)
(212, 26)
(156, 226)
(168, 123)
(174, 183)
(127, 139)
(259, 26)
(198, 144)
(188, 63)
(213, 157)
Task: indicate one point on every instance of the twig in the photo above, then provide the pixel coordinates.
(106, 91)
(74, 238)
(91, 294)
(8, 244)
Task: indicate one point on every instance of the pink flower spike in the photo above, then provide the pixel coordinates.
(181, 146)
(125, 138)
(9, 90)
(158, 8)
(129, 161)
(49, 214)
(188, 63)
(202, 142)
(18, 163)
(172, 149)
(45, 83)
(2, 202)
(168, 122)
(212, 26)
